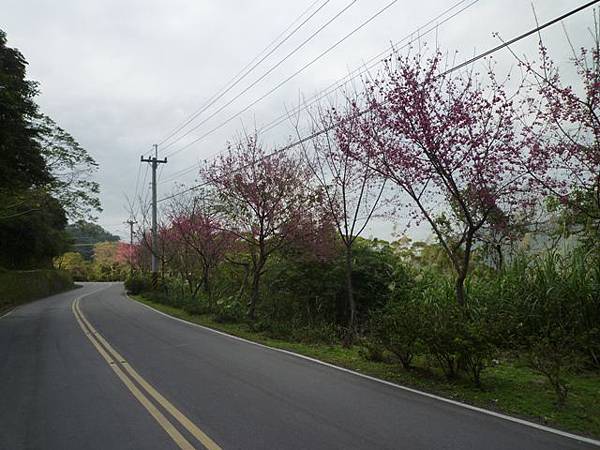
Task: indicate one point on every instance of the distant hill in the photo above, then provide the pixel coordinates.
(85, 235)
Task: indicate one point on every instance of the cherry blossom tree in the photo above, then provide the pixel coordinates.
(567, 166)
(448, 141)
(262, 198)
(127, 254)
(204, 240)
(350, 191)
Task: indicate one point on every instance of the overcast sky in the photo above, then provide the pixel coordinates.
(119, 75)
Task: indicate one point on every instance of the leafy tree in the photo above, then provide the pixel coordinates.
(31, 240)
(71, 167)
(106, 263)
(263, 199)
(22, 163)
(567, 166)
(351, 193)
(204, 242)
(75, 264)
(447, 141)
(42, 171)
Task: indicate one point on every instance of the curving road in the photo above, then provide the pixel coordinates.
(105, 372)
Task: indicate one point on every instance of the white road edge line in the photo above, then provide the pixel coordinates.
(389, 383)
(6, 314)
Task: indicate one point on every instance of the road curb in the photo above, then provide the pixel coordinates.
(488, 412)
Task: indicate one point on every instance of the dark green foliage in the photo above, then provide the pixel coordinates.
(443, 335)
(18, 287)
(372, 350)
(44, 173)
(378, 271)
(459, 339)
(22, 164)
(398, 328)
(547, 309)
(303, 293)
(229, 309)
(31, 240)
(138, 283)
(560, 312)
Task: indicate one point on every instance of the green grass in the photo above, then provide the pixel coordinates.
(18, 287)
(508, 387)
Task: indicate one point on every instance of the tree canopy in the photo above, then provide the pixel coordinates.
(45, 175)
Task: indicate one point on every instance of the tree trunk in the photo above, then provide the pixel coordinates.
(207, 287)
(254, 294)
(349, 338)
(183, 280)
(500, 254)
(258, 262)
(464, 270)
(460, 288)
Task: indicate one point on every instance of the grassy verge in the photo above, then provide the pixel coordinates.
(508, 387)
(18, 287)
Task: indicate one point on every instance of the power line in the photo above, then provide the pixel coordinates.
(137, 181)
(248, 68)
(453, 69)
(368, 65)
(264, 75)
(354, 74)
(181, 172)
(144, 192)
(306, 66)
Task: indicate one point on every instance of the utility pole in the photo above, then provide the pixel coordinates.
(130, 222)
(154, 161)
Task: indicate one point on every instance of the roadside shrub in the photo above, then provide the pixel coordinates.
(398, 328)
(316, 333)
(555, 309)
(553, 360)
(545, 309)
(195, 306)
(137, 283)
(458, 339)
(441, 336)
(301, 292)
(371, 350)
(476, 343)
(230, 309)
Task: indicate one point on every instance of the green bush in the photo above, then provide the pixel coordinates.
(230, 309)
(17, 287)
(555, 310)
(371, 349)
(546, 309)
(398, 328)
(137, 283)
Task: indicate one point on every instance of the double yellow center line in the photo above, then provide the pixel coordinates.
(143, 390)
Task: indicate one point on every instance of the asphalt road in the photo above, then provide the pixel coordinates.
(109, 373)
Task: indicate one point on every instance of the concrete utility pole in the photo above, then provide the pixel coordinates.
(130, 222)
(154, 161)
